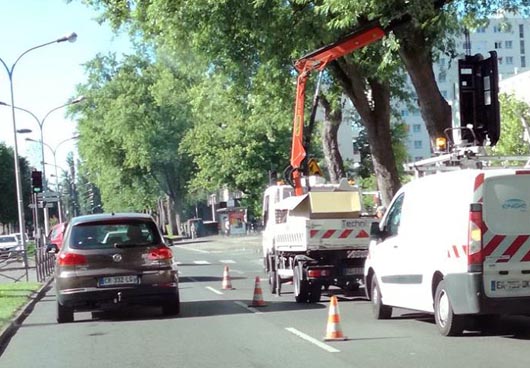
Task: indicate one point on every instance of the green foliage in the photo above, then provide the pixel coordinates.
(513, 140)
(8, 187)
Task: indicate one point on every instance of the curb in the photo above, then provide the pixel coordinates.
(7, 332)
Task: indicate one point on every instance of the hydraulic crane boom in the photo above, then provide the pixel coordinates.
(317, 60)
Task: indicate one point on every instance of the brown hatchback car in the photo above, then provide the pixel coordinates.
(112, 259)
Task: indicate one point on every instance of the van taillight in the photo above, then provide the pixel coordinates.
(71, 259)
(159, 254)
(474, 244)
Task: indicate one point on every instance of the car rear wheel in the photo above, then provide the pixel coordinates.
(379, 310)
(171, 308)
(64, 314)
(449, 324)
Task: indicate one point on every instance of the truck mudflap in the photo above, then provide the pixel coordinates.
(467, 296)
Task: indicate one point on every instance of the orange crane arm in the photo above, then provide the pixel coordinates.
(317, 60)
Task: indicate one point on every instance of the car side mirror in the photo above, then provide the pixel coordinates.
(375, 232)
(52, 248)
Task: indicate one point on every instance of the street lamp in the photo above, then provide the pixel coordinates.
(40, 123)
(20, 201)
(54, 152)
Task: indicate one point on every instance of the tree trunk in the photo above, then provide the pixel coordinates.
(375, 117)
(417, 57)
(330, 145)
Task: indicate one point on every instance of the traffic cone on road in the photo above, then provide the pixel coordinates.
(333, 330)
(227, 283)
(257, 300)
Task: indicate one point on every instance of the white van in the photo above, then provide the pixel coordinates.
(456, 244)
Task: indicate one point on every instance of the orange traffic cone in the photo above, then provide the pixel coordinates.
(257, 301)
(333, 330)
(227, 283)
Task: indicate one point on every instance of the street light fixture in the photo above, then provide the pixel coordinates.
(54, 152)
(40, 123)
(20, 201)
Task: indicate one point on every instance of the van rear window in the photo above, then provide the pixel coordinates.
(507, 204)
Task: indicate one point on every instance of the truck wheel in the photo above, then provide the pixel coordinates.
(272, 281)
(449, 324)
(64, 314)
(379, 310)
(315, 292)
(301, 292)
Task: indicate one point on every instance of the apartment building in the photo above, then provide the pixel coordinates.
(508, 35)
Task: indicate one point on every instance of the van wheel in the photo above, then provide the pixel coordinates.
(301, 292)
(64, 314)
(449, 324)
(379, 310)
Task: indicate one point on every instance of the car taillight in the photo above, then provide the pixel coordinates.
(71, 259)
(474, 244)
(159, 254)
(315, 273)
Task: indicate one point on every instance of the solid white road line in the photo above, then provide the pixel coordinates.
(312, 340)
(214, 290)
(193, 249)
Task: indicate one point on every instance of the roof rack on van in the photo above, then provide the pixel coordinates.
(472, 157)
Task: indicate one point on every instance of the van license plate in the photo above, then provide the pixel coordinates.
(118, 280)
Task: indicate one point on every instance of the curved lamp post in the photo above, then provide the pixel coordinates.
(54, 152)
(40, 123)
(20, 201)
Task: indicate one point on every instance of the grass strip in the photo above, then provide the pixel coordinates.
(13, 296)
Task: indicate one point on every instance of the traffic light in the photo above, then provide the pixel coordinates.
(479, 102)
(36, 181)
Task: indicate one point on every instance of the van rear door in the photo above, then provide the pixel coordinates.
(506, 235)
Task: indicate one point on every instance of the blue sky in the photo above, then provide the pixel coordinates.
(45, 78)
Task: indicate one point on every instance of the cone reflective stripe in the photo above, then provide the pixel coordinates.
(227, 283)
(257, 300)
(333, 330)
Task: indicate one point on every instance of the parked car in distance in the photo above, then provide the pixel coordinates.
(100, 268)
(55, 237)
(9, 245)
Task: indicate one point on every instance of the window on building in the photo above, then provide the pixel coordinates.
(416, 128)
(521, 30)
(496, 29)
(417, 158)
(498, 45)
(481, 30)
(442, 77)
(521, 46)
(404, 113)
(523, 61)
(442, 62)
(499, 60)
(509, 60)
(418, 144)
(508, 44)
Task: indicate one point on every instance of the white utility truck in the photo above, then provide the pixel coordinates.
(315, 240)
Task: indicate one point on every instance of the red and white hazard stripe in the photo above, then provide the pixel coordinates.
(338, 234)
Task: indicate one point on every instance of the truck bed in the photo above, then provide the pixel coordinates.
(301, 234)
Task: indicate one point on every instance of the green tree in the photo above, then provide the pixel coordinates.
(513, 139)
(8, 187)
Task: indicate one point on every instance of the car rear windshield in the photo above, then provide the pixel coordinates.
(114, 234)
(507, 204)
(8, 239)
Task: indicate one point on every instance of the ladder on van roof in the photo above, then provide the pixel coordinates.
(472, 157)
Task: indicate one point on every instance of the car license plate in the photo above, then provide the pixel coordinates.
(510, 285)
(353, 271)
(118, 280)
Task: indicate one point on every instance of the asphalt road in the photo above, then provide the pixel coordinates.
(216, 328)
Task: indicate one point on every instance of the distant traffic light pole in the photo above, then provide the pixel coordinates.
(54, 152)
(20, 201)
